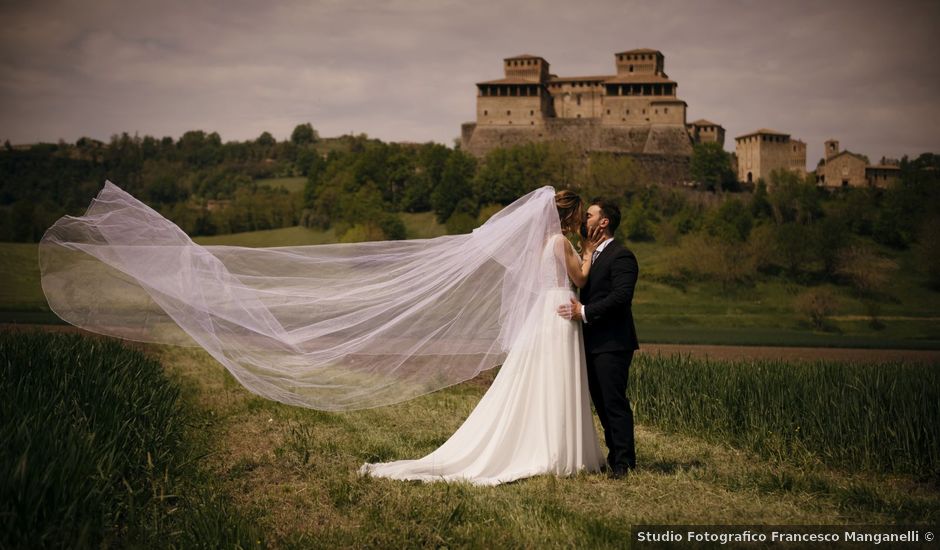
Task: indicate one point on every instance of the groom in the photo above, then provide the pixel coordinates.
(609, 333)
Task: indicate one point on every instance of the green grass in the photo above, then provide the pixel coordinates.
(19, 278)
(285, 236)
(94, 451)
(879, 417)
(422, 225)
(262, 473)
(293, 185)
(297, 468)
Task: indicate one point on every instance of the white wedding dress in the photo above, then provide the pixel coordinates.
(536, 416)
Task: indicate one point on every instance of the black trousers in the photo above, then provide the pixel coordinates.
(607, 381)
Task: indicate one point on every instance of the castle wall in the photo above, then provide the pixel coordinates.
(511, 110)
(589, 134)
(577, 100)
(629, 110)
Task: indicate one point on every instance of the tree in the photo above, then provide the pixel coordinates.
(455, 185)
(613, 177)
(793, 198)
(636, 223)
(304, 134)
(266, 139)
(711, 167)
(930, 251)
(731, 222)
(870, 274)
(760, 203)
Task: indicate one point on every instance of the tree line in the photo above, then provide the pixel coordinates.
(358, 186)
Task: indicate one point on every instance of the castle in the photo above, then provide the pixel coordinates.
(635, 111)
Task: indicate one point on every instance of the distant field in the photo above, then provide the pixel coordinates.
(422, 225)
(286, 236)
(294, 185)
(700, 313)
(19, 278)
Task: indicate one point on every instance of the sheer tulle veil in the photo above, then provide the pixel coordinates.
(330, 327)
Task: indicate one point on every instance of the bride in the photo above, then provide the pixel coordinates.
(357, 325)
(535, 418)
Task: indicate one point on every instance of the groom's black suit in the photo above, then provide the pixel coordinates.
(609, 343)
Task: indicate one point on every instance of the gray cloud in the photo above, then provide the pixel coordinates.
(861, 72)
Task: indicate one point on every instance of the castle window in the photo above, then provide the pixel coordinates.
(485, 112)
(531, 113)
(608, 111)
(644, 111)
(532, 123)
(666, 110)
(579, 115)
(508, 113)
(656, 111)
(631, 68)
(579, 99)
(628, 111)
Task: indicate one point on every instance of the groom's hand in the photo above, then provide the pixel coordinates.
(570, 311)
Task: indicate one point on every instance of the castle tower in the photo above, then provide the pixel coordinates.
(763, 151)
(526, 67)
(640, 62)
(832, 148)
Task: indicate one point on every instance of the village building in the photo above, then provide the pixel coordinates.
(761, 152)
(843, 168)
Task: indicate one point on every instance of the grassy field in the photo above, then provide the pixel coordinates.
(295, 471)
(213, 465)
(100, 450)
(294, 185)
(697, 313)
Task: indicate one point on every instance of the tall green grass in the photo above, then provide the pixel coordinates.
(878, 417)
(93, 448)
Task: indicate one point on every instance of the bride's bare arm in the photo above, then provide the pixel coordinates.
(578, 267)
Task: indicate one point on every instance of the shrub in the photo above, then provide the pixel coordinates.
(817, 304)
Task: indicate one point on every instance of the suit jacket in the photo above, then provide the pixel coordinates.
(608, 300)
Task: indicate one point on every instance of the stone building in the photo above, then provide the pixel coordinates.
(635, 111)
(884, 174)
(706, 131)
(763, 151)
(842, 168)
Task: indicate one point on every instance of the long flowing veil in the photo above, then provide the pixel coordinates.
(331, 327)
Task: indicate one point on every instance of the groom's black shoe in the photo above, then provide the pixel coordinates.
(619, 472)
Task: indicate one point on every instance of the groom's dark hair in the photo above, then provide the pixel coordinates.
(610, 211)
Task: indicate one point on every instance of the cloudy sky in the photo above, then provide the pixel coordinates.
(863, 72)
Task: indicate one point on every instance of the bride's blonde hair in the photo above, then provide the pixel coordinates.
(570, 210)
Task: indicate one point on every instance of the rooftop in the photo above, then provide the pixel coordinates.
(763, 132)
(704, 122)
(524, 56)
(640, 50)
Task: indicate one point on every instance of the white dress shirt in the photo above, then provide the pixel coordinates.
(600, 248)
